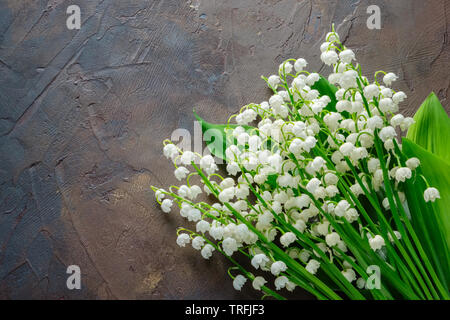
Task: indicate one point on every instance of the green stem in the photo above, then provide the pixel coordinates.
(288, 260)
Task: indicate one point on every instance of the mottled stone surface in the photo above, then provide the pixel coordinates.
(83, 113)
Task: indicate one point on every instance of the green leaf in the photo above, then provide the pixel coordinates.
(432, 128)
(272, 181)
(218, 137)
(431, 221)
(326, 89)
(429, 140)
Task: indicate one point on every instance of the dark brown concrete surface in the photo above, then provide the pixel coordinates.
(83, 114)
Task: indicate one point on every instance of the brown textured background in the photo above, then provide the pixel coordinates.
(83, 114)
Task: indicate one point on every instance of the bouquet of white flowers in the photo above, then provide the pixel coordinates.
(320, 193)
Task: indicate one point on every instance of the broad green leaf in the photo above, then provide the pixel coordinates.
(326, 89)
(272, 181)
(218, 137)
(431, 221)
(430, 142)
(432, 128)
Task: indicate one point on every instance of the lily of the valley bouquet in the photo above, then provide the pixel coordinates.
(320, 193)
